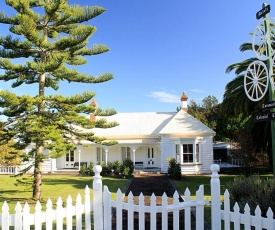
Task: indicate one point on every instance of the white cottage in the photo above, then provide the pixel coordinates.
(148, 139)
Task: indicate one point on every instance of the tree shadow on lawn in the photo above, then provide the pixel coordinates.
(3, 196)
(53, 187)
(113, 184)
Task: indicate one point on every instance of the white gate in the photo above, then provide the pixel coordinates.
(136, 207)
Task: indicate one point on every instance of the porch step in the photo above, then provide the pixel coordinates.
(147, 171)
(143, 172)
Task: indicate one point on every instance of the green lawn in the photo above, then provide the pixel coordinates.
(53, 186)
(193, 183)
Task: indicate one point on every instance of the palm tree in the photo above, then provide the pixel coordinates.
(236, 103)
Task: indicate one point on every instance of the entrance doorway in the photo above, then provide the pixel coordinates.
(69, 162)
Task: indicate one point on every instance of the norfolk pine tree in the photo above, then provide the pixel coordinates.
(48, 37)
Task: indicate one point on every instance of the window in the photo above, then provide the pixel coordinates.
(126, 153)
(100, 154)
(178, 154)
(188, 153)
(70, 156)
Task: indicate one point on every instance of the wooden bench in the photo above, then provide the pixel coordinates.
(76, 164)
(139, 164)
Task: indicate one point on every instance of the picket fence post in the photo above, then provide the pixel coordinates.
(215, 198)
(97, 198)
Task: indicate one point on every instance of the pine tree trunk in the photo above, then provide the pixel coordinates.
(37, 181)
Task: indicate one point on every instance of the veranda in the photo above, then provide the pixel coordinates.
(97, 214)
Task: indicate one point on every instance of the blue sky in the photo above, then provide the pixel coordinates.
(160, 49)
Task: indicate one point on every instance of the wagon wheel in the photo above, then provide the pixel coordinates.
(262, 39)
(256, 80)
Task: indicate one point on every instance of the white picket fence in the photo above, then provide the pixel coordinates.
(153, 210)
(246, 219)
(98, 213)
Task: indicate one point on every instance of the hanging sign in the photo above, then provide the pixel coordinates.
(269, 105)
(263, 12)
(265, 117)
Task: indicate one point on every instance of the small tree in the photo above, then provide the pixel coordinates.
(49, 37)
(174, 169)
(127, 168)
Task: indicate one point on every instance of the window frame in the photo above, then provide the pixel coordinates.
(126, 153)
(185, 145)
(100, 155)
(70, 157)
(188, 153)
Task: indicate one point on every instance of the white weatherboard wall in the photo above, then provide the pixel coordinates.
(167, 150)
(206, 154)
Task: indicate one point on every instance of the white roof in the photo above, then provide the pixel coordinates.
(135, 124)
(183, 124)
(153, 124)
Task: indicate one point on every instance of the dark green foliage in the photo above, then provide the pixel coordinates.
(128, 168)
(117, 167)
(205, 112)
(87, 171)
(84, 170)
(174, 169)
(253, 190)
(107, 169)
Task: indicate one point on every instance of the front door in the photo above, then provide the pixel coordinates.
(69, 162)
(151, 157)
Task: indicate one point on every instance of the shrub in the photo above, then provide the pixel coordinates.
(91, 169)
(107, 169)
(83, 169)
(87, 171)
(174, 169)
(128, 168)
(125, 169)
(117, 167)
(253, 190)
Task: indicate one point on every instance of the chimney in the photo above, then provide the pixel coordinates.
(93, 104)
(183, 100)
